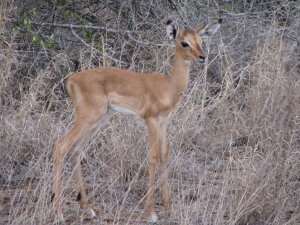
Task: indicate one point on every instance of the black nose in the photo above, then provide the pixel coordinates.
(202, 57)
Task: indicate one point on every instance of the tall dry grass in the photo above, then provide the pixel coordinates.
(234, 139)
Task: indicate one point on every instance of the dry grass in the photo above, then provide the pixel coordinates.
(234, 139)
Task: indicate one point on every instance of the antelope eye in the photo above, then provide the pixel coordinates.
(184, 44)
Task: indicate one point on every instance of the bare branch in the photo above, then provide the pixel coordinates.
(149, 43)
(84, 27)
(86, 44)
(71, 26)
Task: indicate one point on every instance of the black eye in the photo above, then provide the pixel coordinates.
(184, 44)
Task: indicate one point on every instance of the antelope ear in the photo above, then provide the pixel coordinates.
(209, 29)
(172, 30)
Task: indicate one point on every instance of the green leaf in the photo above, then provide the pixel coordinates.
(49, 43)
(15, 29)
(33, 11)
(62, 2)
(35, 38)
(82, 22)
(89, 35)
(25, 22)
(17, 10)
(100, 48)
(66, 14)
(40, 42)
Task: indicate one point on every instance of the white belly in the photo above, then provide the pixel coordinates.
(122, 110)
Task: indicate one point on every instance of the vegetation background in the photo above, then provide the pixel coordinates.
(234, 139)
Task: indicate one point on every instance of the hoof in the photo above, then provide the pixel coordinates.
(60, 218)
(153, 219)
(91, 213)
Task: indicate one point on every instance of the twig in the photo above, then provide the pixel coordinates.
(86, 44)
(71, 26)
(149, 43)
(84, 27)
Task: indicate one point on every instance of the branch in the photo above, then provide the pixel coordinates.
(148, 43)
(84, 27)
(86, 44)
(71, 26)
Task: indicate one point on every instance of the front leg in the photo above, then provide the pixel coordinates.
(153, 132)
(164, 152)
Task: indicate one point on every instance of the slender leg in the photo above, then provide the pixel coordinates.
(60, 150)
(153, 131)
(61, 147)
(75, 153)
(164, 152)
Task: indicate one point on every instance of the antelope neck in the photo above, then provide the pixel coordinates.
(180, 74)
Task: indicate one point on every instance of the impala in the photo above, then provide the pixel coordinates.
(98, 93)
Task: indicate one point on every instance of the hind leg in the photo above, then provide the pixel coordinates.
(76, 135)
(75, 153)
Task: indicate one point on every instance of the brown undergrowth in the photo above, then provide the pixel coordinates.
(234, 139)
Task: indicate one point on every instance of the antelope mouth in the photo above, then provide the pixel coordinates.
(200, 61)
